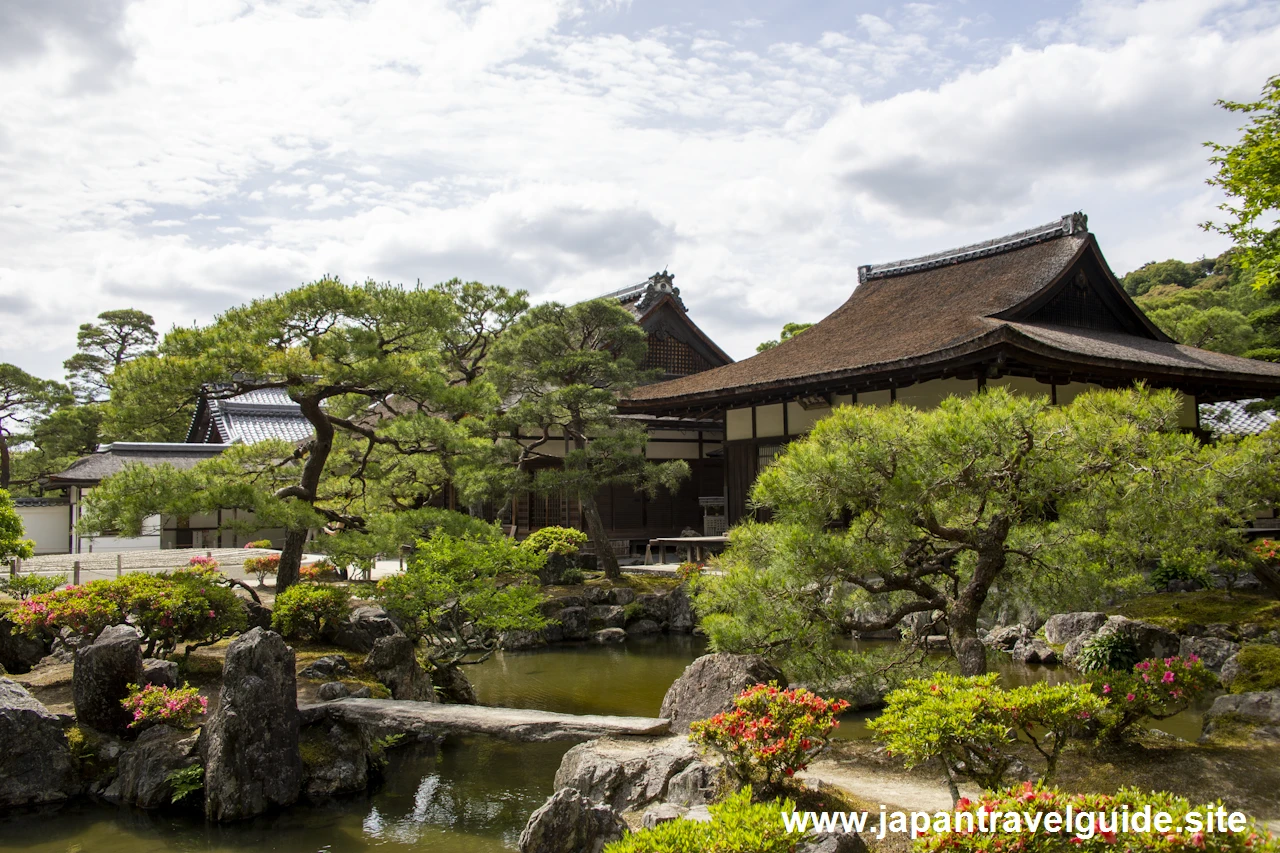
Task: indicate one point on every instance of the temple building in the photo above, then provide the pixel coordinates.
(1038, 312)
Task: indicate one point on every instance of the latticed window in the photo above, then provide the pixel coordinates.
(549, 510)
(673, 357)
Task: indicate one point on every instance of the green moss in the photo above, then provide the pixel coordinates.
(379, 689)
(315, 750)
(1259, 669)
(1177, 610)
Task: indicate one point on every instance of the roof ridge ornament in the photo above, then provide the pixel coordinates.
(1065, 226)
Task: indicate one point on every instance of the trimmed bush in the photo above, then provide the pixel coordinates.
(258, 543)
(969, 724)
(737, 826)
(771, 733)
(1259, 669)
(1154, 689)
(564, 541)
(305, 611)
(1030, 800)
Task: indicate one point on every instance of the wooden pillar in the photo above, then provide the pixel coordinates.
(76, 574)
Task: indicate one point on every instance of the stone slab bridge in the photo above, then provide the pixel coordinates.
(433, 720)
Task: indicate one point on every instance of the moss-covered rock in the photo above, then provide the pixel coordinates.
(1257, 668)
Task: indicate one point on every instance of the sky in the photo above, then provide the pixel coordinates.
(185, 157)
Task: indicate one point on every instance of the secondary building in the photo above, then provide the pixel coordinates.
(1038, 312)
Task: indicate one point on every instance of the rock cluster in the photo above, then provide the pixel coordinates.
(142, 774)
(1259, 712)
(18, 652)
(618, 610)
(570, 823)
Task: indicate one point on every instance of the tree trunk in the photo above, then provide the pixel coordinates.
(1269, 578)
(320, 448)
(4, 462)
(962, 616)
(290, 559)
(600, 538)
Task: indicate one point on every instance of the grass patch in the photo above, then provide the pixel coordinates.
(1259, 669)
(1178, 610)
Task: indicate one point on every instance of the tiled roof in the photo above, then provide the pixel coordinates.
(112, 458)
(1231, 418)
(265, 413)
(922, 314)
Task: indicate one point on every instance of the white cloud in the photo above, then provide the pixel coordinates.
(242, 148)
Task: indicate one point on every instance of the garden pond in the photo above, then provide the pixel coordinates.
(472, 795)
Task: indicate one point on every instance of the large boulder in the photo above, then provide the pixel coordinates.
(452, 685)
(363, 627)
(394, 661)
(1212, 651)
(575, 623)
(142, 776)
(625, 774)
(104, 669)
(570, 823)
(1062, 628)
(1034, 650)
(35, 764)
(252, 763)
(652, 605)
(608, 636)
(1259, 712)
(161, 673)
(327, 668)
(709, 685)
(1149, 641)
(680, 616)
(643, 628)
(606, 616)
(18, 652)
(1007, 638)
(336, 759)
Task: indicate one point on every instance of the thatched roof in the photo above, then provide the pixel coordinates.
(1042, 299)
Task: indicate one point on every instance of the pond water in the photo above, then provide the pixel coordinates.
(473, 795)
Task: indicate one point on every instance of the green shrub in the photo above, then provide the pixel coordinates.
(737, 826)
(1110, 651)
(462, 593)
(771, 733)
(258, 543)
(572, 577)
(305, 611)
(970, 724)
(1154, 689)
(1259, 669)
(186, 782)
(564, 541)
(1029, 800)
(24, 586)
(1166, 573)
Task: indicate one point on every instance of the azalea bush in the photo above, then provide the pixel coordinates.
(320, 570)
(166, 608)
(262, 566)
(969, 725)
(688, 570)
(737, 825)
(771, 733)
(1154, 689)
(306, 611)
(564, 541)
(172, 706)
(203, 563)
(1096, 825)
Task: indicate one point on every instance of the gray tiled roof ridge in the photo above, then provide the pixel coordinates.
(1064, 226)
